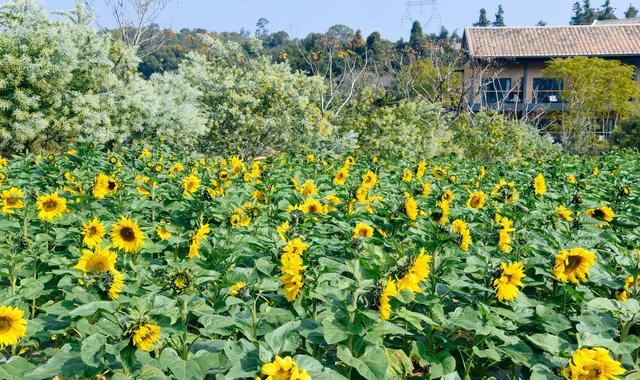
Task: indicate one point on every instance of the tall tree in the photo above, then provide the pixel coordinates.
(499, 20)
(482, 20)
(261, 27)
(632, 12)
(577, 17)
(583, 14)
(607, 12)
(416, 38)
(589, 14)
(135, 21)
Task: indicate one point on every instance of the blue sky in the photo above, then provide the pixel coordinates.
(389, 17)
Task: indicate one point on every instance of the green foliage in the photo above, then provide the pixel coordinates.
(60, 80)
(627, 132)
(416, 128)
(452, 326)
(596, 92)
(254, 106)
(491, 137)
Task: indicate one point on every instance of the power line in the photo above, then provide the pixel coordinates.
(420, 5)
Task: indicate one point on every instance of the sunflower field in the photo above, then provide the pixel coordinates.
(143, 264)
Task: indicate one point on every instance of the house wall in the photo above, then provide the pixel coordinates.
(520, 72)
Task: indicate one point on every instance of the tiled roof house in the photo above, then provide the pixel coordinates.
(519, 54)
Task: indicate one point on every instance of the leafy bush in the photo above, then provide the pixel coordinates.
(416, 128)
(490, 136)
(60, 80)
(254, 106)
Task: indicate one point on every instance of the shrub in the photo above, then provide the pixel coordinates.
(416, 128)
(490, 136)
(60, 80)
(253, 106)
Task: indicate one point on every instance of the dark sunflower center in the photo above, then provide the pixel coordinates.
(598, 213)
(573, 262)
(93, 231)
(111, 185)
(127, 234)
(10, 201)
(475, 202)
(5, 325)
(50, 205)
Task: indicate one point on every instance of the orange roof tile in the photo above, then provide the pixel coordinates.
(553, 41)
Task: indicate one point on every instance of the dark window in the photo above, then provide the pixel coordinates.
(547, 90)
(496, 90)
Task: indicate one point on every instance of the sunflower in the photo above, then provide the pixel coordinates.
(362, 230)
(100, 260)
(426, 189)
(295, 246)
(236, 288)
(51, 206)
(407, 176)
(573, 265)
(104, 186)
(308, 188)
(291, 268)
(462, 229)
(571, 179)
(504, 234)
(369, 180)
(482, 172)
(284, 369)
(349, 161)
(447, 196)
(11, 200)
(539, 185)
(505, 191)
(145, 335)
(438, 172)
(113, 282)
(390, 290)
(292, 285)
(313, 206)
(418, 271)
(223, 176)
(127, 236)
(162, 231)
(341, 176)
(601, 213)
(190, 185)
(506, 285)
(593, 364)
(596, 171)
(181, 281)
(564, 213)
(237, 165)
(12, 325)
(92, 233)
(421, 169)
(624, 295)
(175, 168)
(476, 200)
(411, 208)
(333, 199)
(282, 229)
(196, 240)
(443, 215)
(239, 219)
